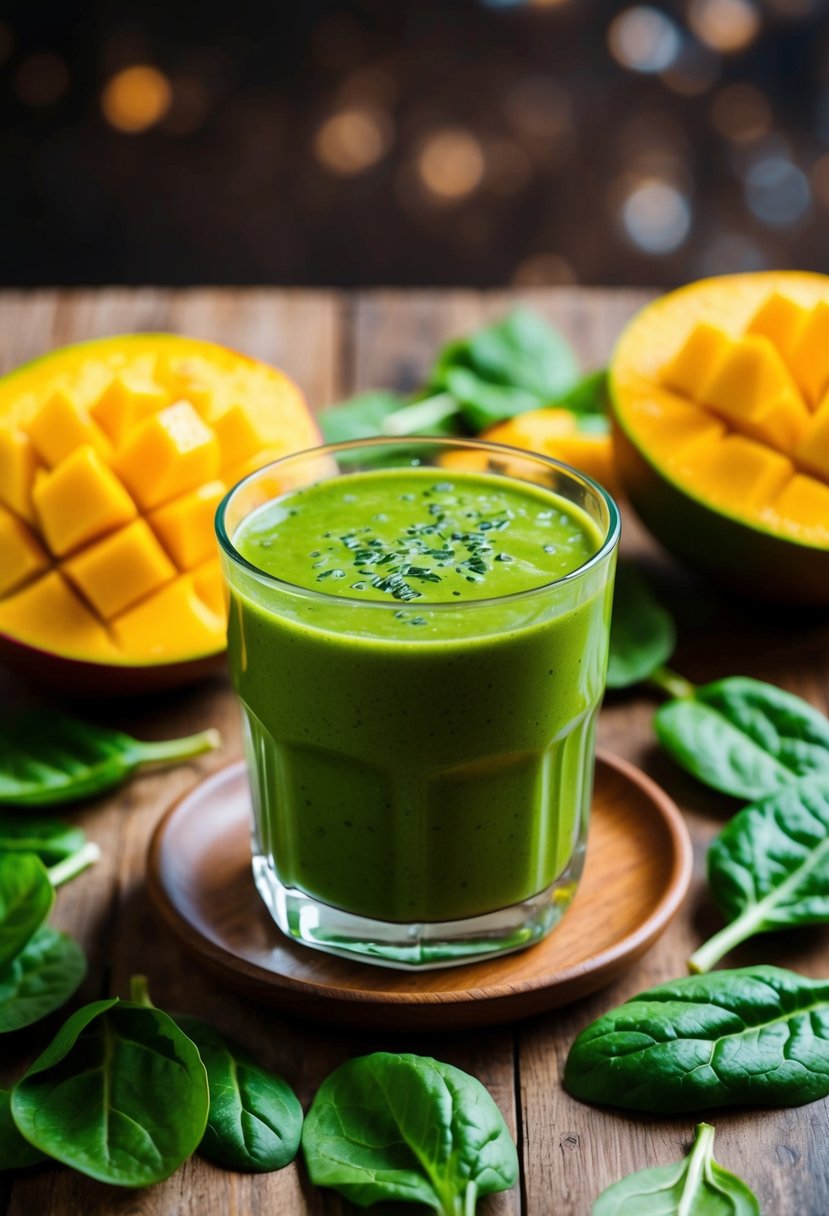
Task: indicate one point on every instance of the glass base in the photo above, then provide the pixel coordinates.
(420, 946)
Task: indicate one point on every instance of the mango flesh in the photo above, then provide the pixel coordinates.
(723, 388)
(114, 455)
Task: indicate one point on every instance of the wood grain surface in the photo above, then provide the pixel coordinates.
(332, 344)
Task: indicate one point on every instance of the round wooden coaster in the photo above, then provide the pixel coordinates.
(637, 873)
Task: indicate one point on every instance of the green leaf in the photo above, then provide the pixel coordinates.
(40, 979)
(255, 1118)
(120, 1095)
(769, 867)
(697, 1186)
(642, 632)
(15, 1152)
(483, 403)
(52, 840)
(408, 1127)
(522, 350)
(754, 1037)
(26, 899)
(360, 416)
(744, 737)
(48, 758)
(587, 397)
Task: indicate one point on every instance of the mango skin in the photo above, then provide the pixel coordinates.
(738, 555)
(88, 676)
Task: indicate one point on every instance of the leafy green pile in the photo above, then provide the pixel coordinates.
(40, 967)
(517, 364)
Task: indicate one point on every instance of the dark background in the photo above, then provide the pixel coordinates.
(412, 141)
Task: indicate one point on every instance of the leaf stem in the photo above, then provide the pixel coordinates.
(672, 683)
(729, 936)
(696, 1169)
(71, 866)
(470, 1199)
(411, 419)
(140, 991)
(164, 751)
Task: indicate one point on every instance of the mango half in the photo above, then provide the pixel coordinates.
(114, 455)
(720, 401)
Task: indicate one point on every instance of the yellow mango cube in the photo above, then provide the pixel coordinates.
(121, 569)
(736, 474)
(210, 586)
(127, 400)
(21, 554)
(172, 623)
(238, 436)
(781, 321)
(167, 455)
(190, 379)
(18, 465)
(79, 500)
(754, 391)
(48, 614)
(810, 355)
(801, 509)
(185, 525)
(697, 361)
(674, 425)
(813, 450)
(61, 425)
(234, 473)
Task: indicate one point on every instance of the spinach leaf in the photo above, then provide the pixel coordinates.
(15, 1152)
(48, 758)
(769, 867)
(52, 840)
(519, 363)
(408, 1127)
(255, 1119)
(360, 416)
(588, 397)
(697, 1186)
(120, 1094)
(642, 632)
(744, 737)
(754, 1037)
(40, 979)
(26, 899)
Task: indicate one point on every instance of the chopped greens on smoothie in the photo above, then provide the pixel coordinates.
(470, 536)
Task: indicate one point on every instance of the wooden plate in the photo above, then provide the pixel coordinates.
(637, 873)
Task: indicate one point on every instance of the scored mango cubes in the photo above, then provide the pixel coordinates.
(112, 466)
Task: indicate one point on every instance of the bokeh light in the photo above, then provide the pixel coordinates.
(726, 26)
(41, 80)
(777, 191)
(732, 253)
(451, 163)
(544, 270)
(136, 98)
(644, 39)
(656, 216)
(741, 113)
(352, 140)
(693, 72)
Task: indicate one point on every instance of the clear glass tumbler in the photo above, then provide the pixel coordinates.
(420, 796)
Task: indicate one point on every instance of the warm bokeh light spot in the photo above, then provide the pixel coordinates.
(353, 139)
(724, 25)
(451, 163)
(741, 113)
(136, 98)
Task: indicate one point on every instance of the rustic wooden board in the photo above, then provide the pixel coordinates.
(333, 343)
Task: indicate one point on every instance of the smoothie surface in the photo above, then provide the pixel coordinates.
(418, 535)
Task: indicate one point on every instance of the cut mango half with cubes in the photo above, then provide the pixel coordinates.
(720, 399)
(114, 455)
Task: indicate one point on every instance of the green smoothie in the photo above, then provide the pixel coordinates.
(419, 683)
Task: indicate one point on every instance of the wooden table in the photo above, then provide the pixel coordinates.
(334, 343)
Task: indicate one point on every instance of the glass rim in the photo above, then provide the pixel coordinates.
(407, 441)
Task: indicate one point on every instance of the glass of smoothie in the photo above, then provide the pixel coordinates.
(418, 639)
